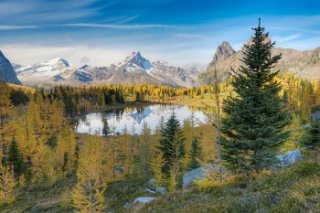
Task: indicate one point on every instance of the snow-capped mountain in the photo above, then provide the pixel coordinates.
(135, 60)
(135, 69)
(54, 70)
(7, 73)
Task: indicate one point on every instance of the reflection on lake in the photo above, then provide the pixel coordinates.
(133, 118)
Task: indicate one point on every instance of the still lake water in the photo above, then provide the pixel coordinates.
(133, 118)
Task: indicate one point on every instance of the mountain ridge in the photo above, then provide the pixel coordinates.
(305, 64)
(135, 69)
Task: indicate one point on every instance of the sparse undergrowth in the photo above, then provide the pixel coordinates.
(293, 189)
(44, 197)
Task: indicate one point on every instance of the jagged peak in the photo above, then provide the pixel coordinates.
(223, 51)
(137, 59)
(225, 48)
(134, 55)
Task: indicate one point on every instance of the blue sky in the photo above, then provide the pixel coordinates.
(182, 32)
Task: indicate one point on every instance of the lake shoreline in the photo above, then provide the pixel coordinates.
(132, 117)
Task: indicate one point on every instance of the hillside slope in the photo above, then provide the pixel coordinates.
(293, 189)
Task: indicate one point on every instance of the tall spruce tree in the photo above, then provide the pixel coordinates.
(195, 154)
(15, 158)
(172, 143)
(252, 128)
(311, 136)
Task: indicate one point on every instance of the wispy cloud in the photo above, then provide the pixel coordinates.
(39, 11)
(17, 27)
(121, 26)
(127, 19)
(287, 38)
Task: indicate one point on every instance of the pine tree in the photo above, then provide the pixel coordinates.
(311, 136)
(172, 181)
(145, 151)
(254, 118)
(172, 143)
(92, 176)
(7, 185)
(196, 154)
(307, 101)
(156, 165)
(6, 111)
(15, 159)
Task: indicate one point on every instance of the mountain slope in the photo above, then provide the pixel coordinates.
(7, 73)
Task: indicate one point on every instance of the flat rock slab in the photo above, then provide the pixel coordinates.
(143, 200)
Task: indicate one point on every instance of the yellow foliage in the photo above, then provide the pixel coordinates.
(156, 165)
(213, 180)
(93, 171)
(7, 185)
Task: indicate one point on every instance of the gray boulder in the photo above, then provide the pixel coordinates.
(289, 158)
(161, 190)
(119, 170)
(197, 174)
(151, 182)
(143, 200)
(315, 116)
(127, 206)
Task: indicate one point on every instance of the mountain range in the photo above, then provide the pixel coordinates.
(135, 69)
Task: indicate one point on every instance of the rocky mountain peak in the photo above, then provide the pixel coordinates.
(224, 51)
(137, 59)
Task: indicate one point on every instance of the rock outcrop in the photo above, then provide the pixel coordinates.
(7, 72)
(289, 158)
